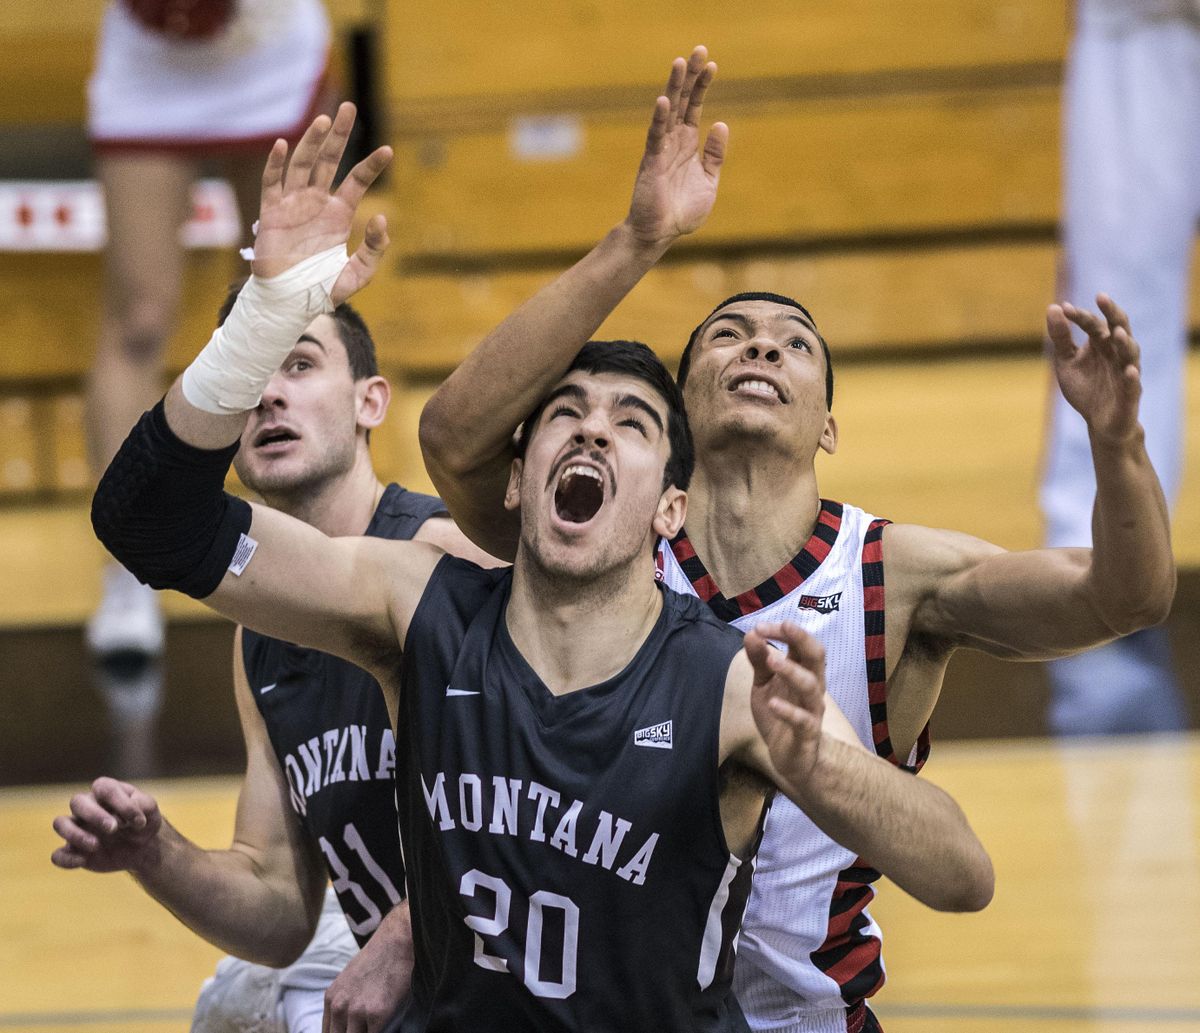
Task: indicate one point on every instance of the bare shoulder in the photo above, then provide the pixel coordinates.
(918, 559)
(444, 533)
(403, 567)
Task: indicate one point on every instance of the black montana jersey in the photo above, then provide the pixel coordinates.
(330, 729)
(566, 859)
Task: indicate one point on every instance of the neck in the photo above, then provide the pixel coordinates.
(340, 506)
(575, 632)
(750, 511)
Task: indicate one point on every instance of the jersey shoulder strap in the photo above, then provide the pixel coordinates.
(401, 513)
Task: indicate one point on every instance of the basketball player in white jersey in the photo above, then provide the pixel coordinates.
(760, 543)
(596, 485)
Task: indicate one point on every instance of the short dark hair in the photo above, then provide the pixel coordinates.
(685, 360)
(352, 331)
(634, 359)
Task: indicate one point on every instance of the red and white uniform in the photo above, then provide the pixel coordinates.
(809, 952)
(258, 78)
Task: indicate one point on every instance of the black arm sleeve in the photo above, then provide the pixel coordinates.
(162, 511)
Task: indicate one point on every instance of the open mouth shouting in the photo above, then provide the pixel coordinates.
(579, 493)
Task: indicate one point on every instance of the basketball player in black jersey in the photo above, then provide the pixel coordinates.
(758, 384)
(585, 756)
(318, 798)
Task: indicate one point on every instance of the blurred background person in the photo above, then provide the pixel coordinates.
(1131, 106)
(176, 84)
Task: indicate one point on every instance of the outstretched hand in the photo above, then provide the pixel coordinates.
(300, 216)
(676, 185)
(788, 695)
(1102, 379)
(111, 828)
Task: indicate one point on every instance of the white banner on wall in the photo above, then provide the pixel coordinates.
(40, 215)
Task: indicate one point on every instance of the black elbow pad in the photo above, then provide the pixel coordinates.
(162, 511)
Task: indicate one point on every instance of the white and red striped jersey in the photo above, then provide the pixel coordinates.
(808, 948)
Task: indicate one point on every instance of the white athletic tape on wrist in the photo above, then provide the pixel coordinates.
(231, 372)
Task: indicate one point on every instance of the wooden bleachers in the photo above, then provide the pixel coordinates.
(450, 56)
(856, 121)
(47, 49)
(861, 167)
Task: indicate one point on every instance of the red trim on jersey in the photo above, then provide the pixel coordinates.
(706, 587)
(748, 601)
(864, 957)
(788, 578)
(860, 1019)
(850, 955)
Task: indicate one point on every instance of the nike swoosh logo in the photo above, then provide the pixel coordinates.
(461, 692)
(267, 688)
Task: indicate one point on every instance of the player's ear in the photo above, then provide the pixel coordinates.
(829, 436)
(373, 395)
(512, 494)
(672, 508)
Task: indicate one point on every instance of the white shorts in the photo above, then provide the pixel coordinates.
(260, 78)
(246, 998)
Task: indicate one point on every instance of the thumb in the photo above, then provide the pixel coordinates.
(364, 262)
(714, 149)
(757, 651)
(1059, 331)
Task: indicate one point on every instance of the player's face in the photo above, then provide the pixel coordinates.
(590, 487)
(758, 372)
(303, 432)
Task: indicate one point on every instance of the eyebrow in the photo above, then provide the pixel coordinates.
(565, 391)
(634, 402)
(309, 339)
(737, 317)
(576, 392)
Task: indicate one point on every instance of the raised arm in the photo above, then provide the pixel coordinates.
(1047, 602)
(468, 424)
(259, 900)
(160, 508)
(779, 721)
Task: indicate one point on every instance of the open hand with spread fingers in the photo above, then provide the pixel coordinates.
(788, 695)
(676, 184)
(111, 828)
(1102, 378)
(301, 215)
